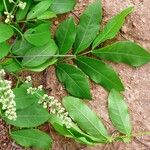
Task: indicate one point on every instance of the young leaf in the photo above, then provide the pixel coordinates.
(65, 35)
(22, 99)
(100, 73)
(86, 119)
(20, 47)
(38, 36)
(112, 27)
(63, 6)
(32, 116)
(36, 56)
(39, 9)
(6, 32)
(4, 49)
(74, 80)
(47, 15)
(118, 112)
(88, 26)
(125, 52)
(32, 138)
(21, 13)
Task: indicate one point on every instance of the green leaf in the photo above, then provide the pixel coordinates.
(88, 27)
(86, 119)
(21, 13)
(63, 6)
(74, 79)
(43, 66)
(39, 9)
(100, 73)
(11, 65)
(6, 32)
(38, 36)
(4, 49)
(32, 116)
(47, 15)
(22, 99)
(38, 55)
(1, 6)
(65, 35)
(20, 47)
(112, 27)
(32, 138)
(74, 132)
(125, 52)
(118, 112)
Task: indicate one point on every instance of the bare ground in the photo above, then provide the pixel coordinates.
(136, 81)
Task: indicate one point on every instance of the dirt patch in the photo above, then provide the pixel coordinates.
(136, 81)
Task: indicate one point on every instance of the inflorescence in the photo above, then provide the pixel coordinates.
(7, 97)
(50, 103)
(9, 15)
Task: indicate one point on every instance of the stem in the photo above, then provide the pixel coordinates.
(19, 80)
(17, 31)
(85, 53)
(5, 5)
(41, 56)
(133, 135)
(14, 7)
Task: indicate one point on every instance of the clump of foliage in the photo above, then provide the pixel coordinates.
(26, 43)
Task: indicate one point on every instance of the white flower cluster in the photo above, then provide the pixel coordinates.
(51, 104)
(10, 16)
(7, 97)
(56, 108)
(20, 4)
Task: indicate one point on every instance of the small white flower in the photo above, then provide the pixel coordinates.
(11, 1)
(28, 79)
(22, 5)
(40, 88)
(49, 102)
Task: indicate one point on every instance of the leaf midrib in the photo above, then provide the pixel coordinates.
(65, 35)
(117, 53)
(83, 37)
(72, 79)
(118, 108)
(98, 73)
(89, 121)
(105, 34)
